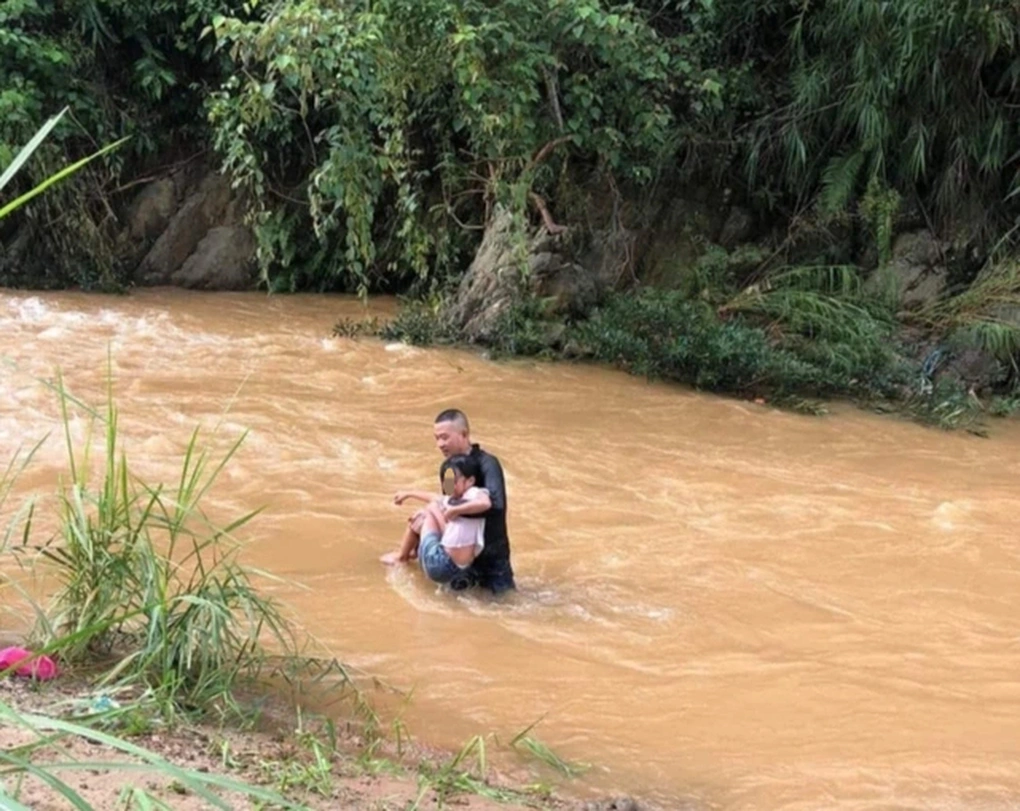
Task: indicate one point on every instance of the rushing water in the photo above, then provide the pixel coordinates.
(720, 603)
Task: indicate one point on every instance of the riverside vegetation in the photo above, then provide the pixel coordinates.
(779, 157)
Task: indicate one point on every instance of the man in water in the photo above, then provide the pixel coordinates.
(491, 569)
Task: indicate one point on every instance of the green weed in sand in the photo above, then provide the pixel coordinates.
(146, 579)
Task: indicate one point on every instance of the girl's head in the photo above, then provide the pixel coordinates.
(459, 473)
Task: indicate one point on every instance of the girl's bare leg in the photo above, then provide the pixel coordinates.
(409, 543)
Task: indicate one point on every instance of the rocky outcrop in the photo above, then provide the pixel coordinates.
(151, 210)
(680, 227)
(567, 272)
(975, 369)
(223, 260)
(916, 273)
(188, 231)
(737, 229)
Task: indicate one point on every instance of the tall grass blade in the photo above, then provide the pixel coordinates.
(17, 202)
(198, 782)
(26, 151)
(8, 803)
(15, 764)
(146, 576)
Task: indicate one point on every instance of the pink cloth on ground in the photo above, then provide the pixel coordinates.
(42, 667)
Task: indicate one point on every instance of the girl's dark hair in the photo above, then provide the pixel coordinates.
(464, 465)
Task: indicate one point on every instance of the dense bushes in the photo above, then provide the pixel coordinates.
(666, 335)
(393, 126)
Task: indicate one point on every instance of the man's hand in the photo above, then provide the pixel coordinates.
(449, 513)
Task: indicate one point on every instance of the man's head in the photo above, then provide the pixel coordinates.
(459, 472)
(452, 432)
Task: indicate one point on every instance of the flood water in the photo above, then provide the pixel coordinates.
(719, 604)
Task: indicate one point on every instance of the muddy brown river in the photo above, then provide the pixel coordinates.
(719, 603)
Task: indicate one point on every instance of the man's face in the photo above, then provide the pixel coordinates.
(450, 439)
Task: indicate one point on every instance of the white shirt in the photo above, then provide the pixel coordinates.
(465, 530)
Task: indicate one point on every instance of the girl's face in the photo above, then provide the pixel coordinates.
(454, 484)
(461, 485)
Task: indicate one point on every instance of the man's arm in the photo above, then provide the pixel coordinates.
(492, 476)
(476, 506)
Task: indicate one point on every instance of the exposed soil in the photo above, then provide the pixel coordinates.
(272, 755)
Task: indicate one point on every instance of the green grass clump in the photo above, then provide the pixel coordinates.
(148, 587)
(44, 758)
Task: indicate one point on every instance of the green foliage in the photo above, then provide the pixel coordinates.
(388, 124)
(719, 274)
(878, 209)
(917, 95)
(526, 743)
(825, 303)
(458, 777)
(523, 329)
(122, 69)
(949, 406)
(1004, 406)
(25, 154)
(50, 736)
(985, 315)
(418, 323)
(664, 335)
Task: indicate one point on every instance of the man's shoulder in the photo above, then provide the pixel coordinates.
(481, 454)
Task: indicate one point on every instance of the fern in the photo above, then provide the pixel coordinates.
(822, 315)
(839, 181)
(996, 337)
(922, 94)
(984, 316)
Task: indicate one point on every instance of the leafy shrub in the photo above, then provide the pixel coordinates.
(395, 122)
(664, 335)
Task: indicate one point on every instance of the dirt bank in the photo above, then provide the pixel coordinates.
(311, 764)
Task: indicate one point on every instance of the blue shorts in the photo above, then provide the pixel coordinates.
(439, 567)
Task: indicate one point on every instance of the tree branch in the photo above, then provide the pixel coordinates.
(543, 153)
(550, 225)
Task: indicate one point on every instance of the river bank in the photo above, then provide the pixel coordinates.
(290, 751)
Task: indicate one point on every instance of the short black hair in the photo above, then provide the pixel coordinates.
(453, 415)
(463, 465)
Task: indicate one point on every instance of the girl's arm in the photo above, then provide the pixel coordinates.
(418, 495)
